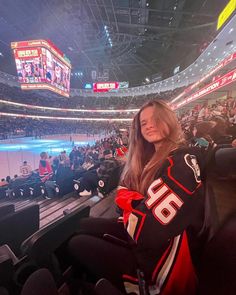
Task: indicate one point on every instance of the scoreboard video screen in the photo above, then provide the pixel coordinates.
(41, 65)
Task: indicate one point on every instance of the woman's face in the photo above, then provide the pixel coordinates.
(152, 131)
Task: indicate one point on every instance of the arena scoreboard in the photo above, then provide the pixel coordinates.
(41, 65)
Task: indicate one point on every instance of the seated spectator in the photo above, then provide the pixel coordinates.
(202, 133)
(55, 164)
(3, 182)
(162, 200)
(46, 173)
(88, 163)
(219, 132)
(8, 179)
(204, 113)
(73, 156)
(89, 181)
(64, 159)
(25, 170)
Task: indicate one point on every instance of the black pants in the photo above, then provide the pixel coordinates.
(89, 180)
(99, 257)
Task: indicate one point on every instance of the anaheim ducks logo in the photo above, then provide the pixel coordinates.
(191, 161)
(101, 183)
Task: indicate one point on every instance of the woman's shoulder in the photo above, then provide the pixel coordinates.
(184, 168)
(198, 152)
(190, 156)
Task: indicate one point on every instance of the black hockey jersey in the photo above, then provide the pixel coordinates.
(166, 223)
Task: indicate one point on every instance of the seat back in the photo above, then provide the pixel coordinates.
(111, 180)
(211, 217)
(64, 180)
(6, 209)
(42, 244)
(18, 226)
(7, 261)
(218, 264)
(3, 192)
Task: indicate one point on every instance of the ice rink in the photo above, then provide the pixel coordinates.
(14, 151)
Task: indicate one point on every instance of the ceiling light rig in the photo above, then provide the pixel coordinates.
(77, 74)
(108, 36)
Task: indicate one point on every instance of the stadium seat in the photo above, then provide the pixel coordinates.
(34, 190)
(6, 209)
(64, 180)
(17, 226)
(218, 272)
(3, 192)
(217, 275)
(42, 245)
(76, 184)
(7, 261)
(28, 189)
(108, 183)
(39, 189)
(104, 287)
(40, 282)
(16, 193)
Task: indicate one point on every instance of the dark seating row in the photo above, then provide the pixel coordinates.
(40, 249)
(16, 226)
(217, 267)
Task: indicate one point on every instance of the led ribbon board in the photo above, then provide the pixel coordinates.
(219, 83)
(109, 86)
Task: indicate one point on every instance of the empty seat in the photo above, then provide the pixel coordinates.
(40, 282)
(6, 209)
(42, 245)
(3, 192)
(218, 264)
(18, 226)
(7, 261)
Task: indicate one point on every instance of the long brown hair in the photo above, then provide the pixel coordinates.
(143, 161)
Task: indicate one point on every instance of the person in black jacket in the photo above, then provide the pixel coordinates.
(98, 175)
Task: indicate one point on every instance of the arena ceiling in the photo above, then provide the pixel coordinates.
(148, 38)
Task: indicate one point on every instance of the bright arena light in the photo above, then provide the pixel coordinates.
(66, 118)
(65, 110)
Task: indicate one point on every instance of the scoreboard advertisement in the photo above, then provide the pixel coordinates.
(41, 65)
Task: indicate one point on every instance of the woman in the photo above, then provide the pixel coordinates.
(162, 200)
